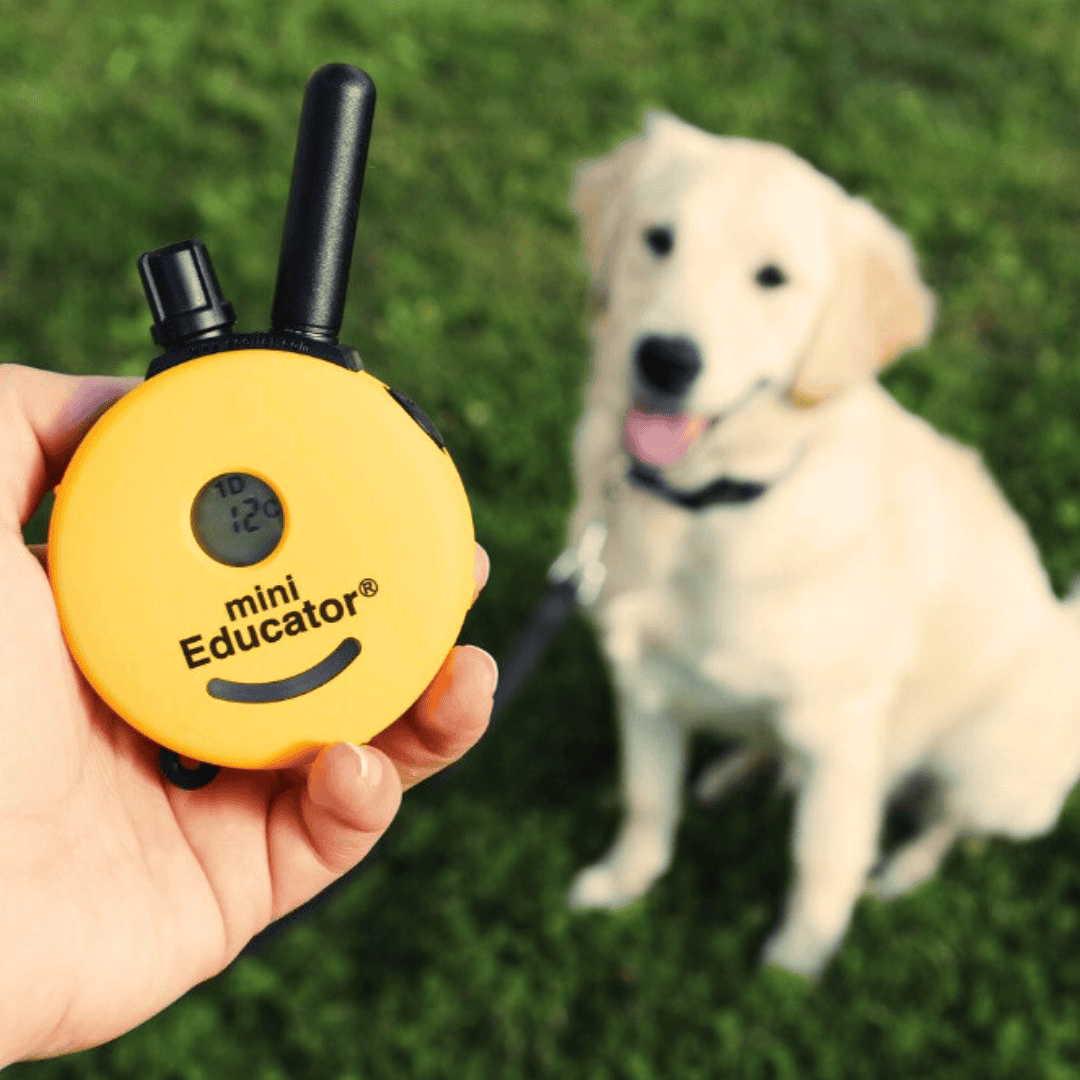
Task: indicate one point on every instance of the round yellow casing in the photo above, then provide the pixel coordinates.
(377, 548)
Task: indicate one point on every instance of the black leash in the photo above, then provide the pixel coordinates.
(574, 578)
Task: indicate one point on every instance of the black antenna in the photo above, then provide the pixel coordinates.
(320, 221)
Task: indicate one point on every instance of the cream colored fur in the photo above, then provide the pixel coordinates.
(881, 609)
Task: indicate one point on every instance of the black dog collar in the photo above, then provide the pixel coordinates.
(722, 491)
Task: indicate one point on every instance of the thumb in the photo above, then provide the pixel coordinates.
(43, 418)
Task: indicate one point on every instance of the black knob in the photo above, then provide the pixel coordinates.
(183, 293)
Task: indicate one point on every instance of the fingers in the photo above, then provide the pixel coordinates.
(326, 823)
(323, 826)
(43, 417)
(446, 721)
(351, 797)
(319, 830)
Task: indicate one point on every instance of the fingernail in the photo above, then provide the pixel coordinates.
(493, 675)
(481, 570)
(96, 393)
(371, 767)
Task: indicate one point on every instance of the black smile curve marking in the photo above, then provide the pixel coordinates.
(295, 685)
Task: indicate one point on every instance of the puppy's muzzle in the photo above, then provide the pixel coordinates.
(665, 368)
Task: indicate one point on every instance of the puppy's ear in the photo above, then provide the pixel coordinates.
(658, 124)
(879, 309)
(599, 197)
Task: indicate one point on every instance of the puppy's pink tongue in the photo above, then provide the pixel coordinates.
(660, 438)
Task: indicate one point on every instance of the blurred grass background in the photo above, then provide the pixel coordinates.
(125, 127)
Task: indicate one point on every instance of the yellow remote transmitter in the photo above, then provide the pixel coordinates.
(263, 549)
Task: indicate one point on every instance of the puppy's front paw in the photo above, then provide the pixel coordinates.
(605, 885)
(798, 950)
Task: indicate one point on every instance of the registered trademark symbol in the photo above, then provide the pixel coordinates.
(369, 587)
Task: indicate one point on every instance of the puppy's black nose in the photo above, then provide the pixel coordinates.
(667, 364)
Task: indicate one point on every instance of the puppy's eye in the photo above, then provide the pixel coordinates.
(660, 240)
(770, 276)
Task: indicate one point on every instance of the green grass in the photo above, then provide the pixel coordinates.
(128, 126)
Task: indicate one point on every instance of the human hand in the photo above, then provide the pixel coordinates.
(118, 891)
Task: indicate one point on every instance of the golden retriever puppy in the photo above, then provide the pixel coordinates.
(790, 556)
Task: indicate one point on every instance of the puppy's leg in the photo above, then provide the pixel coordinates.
(915, 861)
(837, 820)
(653, 767)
